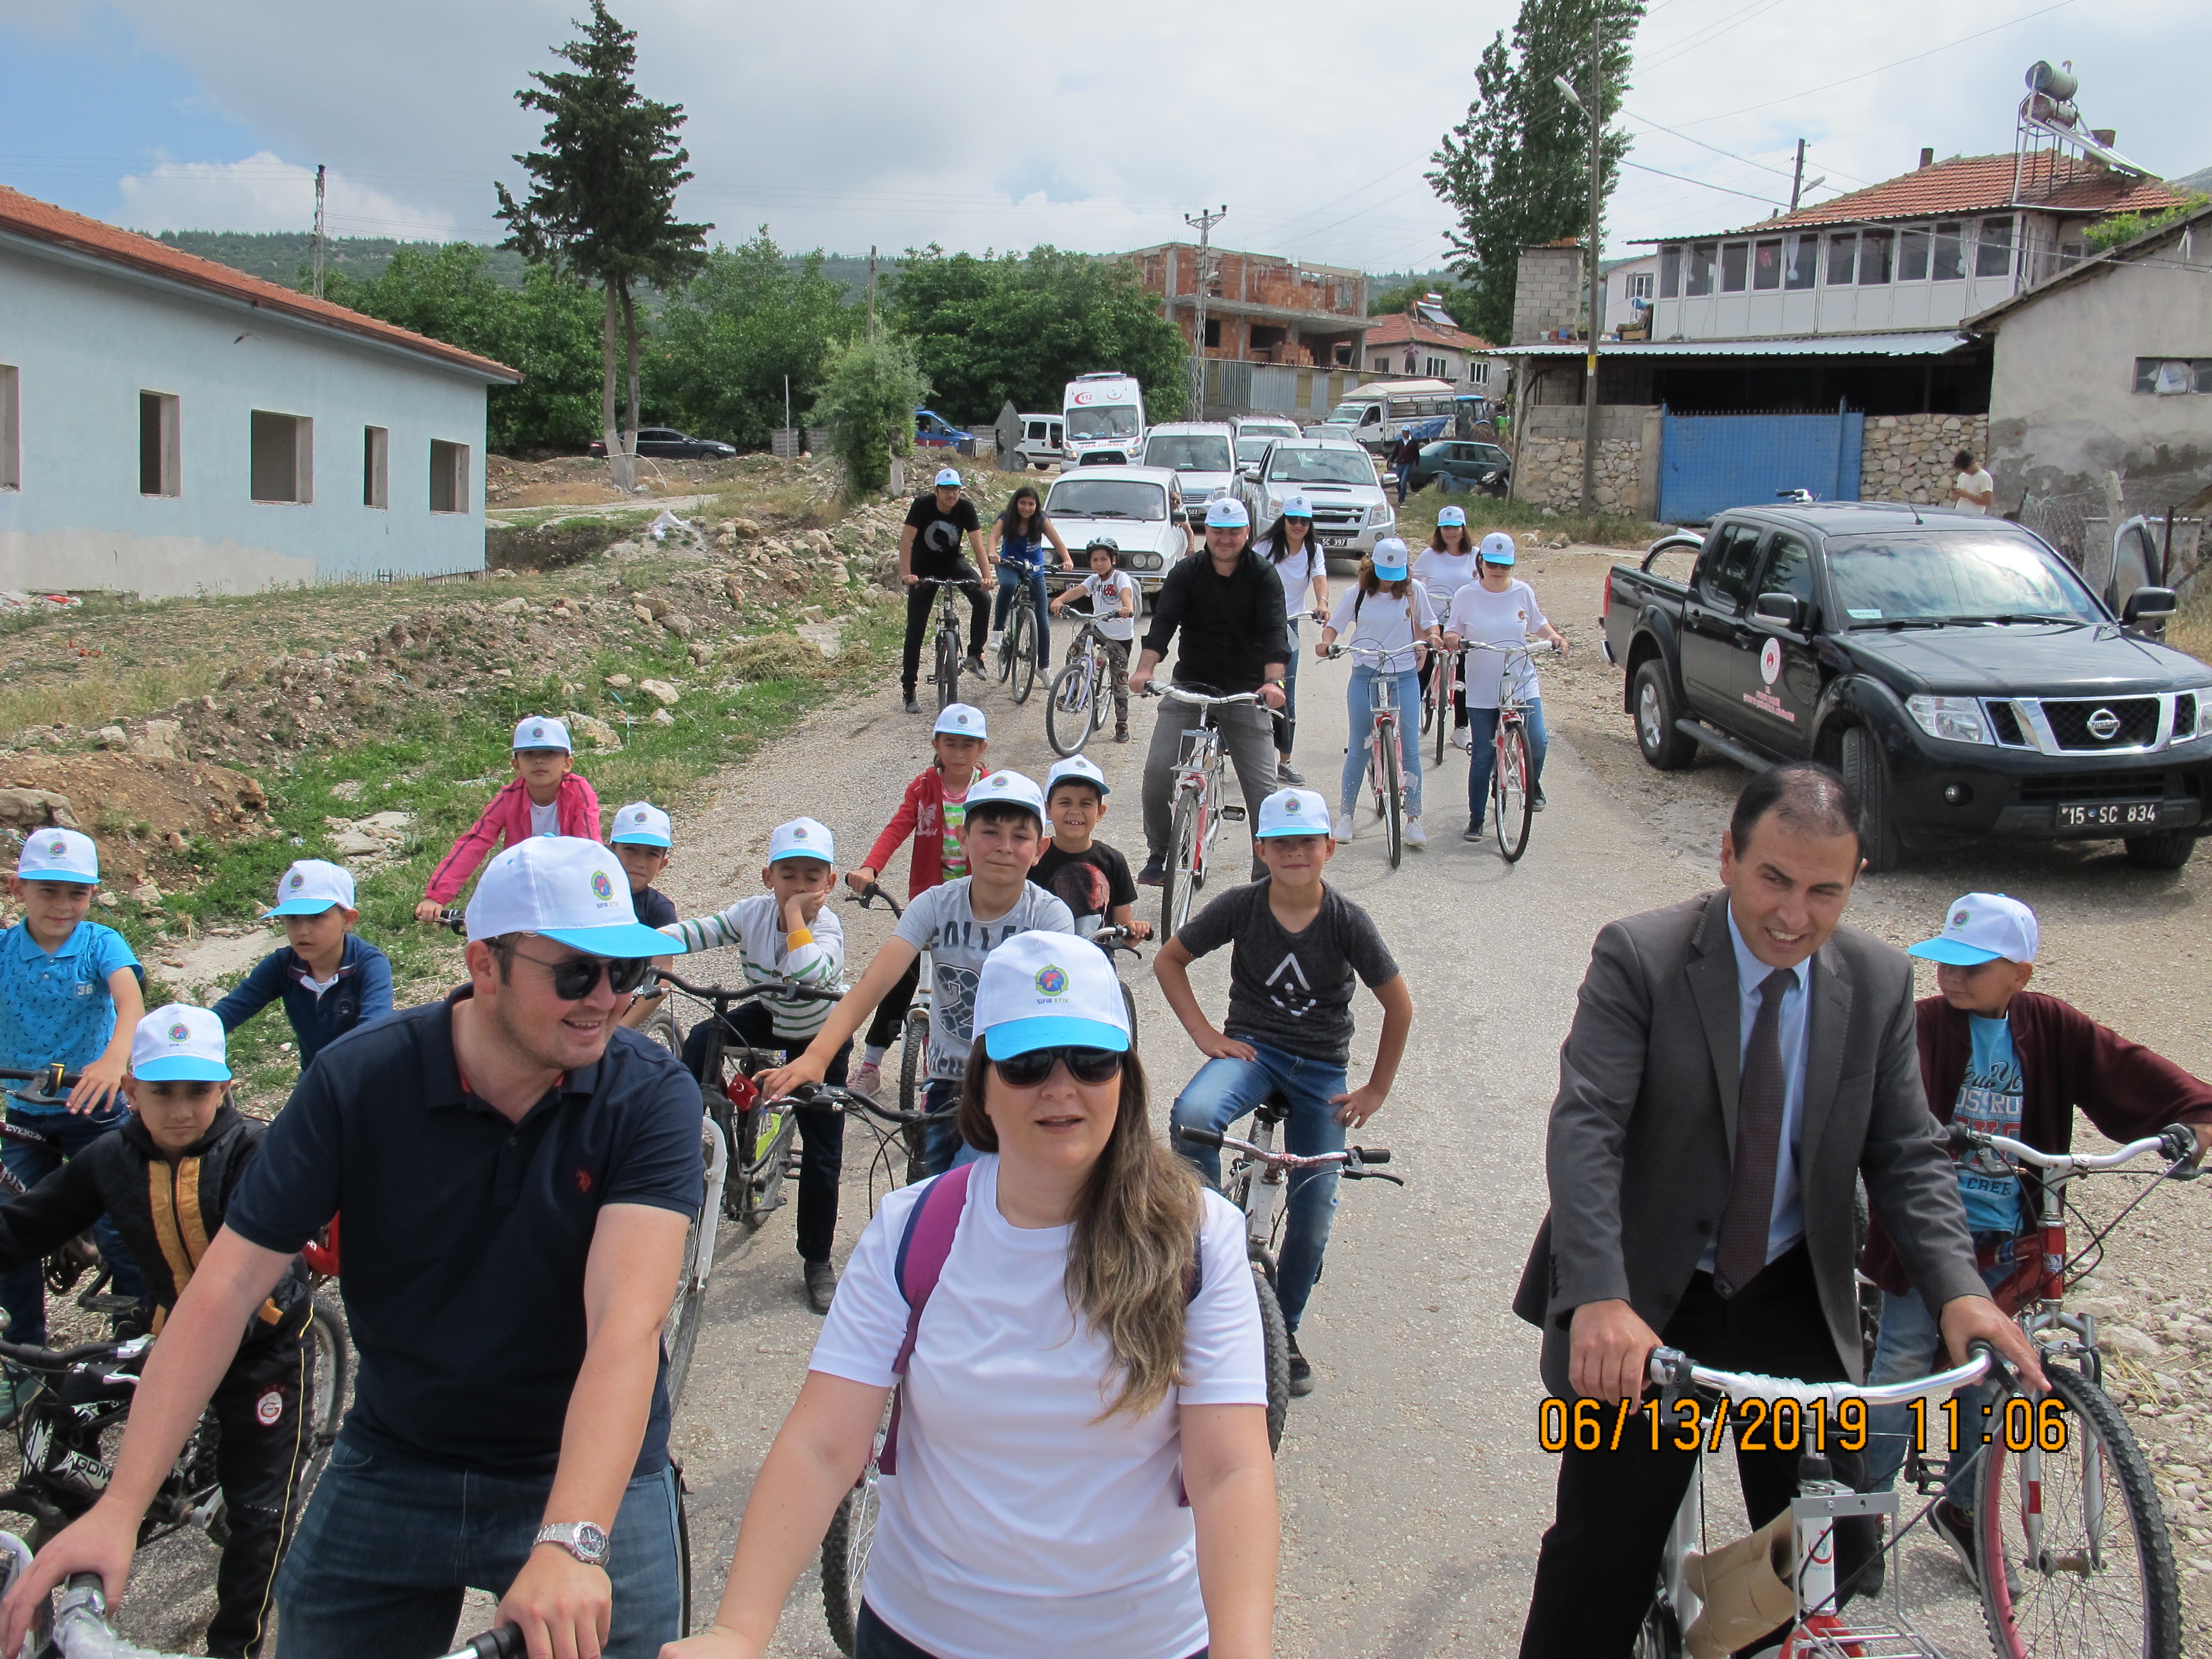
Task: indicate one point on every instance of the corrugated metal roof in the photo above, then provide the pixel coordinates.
(1925, 344)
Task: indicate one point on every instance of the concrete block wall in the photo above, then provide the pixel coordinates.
(1547, 292)
(1907, 457)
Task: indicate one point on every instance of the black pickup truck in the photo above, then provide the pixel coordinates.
(1958, 673)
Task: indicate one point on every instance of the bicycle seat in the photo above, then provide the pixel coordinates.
(1275, 1109)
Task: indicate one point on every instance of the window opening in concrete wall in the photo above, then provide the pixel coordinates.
(1213, 331)
(2168, 377)
(1437, 369)
(1479, 371)
(1949, 263)
(1994, 256)
(11, 439)
(1735, 257)
(375, 466)
(1800, 261)
(161, 453)
(282, 463)
(1912, 254)
(1843, 252)
(449, 476)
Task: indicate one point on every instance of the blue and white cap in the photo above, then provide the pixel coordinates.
(1297, 506)
(1983, 927)
(641, 823)
(1082, 769)
(1389, 557)
(948, 477)
(1448, 516)
(59, 855)
(1050, 991)
(961, 720)
(570, 890)
(180, 1043)
(1007, 786)
(1292, 812)
(802, 838)
(1226, 513)
(1498, 548)
(312, 886)
(543, 732)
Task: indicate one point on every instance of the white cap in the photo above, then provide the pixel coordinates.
(1498, 548)
(543, 732)
(961, 720)
(1297, 506)
(312, 886)
(1292, 812)
(1451, 515)
(59, 855)
(1226, 513)
(1050, 991)
(1007, 786)
(641, 823)
(802, 838)
(1389, 557)
(180, 1043)
(571, 890)
(1983, 927)
(948, 477)
(1081, 768)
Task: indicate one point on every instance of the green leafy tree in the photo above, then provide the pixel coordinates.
(1020, 326)
(869, 390)
(725, 340)
(1456, 301)
(1516, 170)
(603, 197)
(2108, 234)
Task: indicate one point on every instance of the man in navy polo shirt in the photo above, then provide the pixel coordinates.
(517, 1176)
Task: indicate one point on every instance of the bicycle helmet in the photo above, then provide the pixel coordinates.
(1106, 542)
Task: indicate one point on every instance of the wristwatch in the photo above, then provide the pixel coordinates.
(584, 1540)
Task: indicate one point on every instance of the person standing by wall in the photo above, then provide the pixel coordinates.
(1973, 490)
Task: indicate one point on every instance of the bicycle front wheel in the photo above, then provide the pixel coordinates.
(662, 1028)
(773, 1130)
(1390, 784)
(1021, 639)
(1183, 874)
(332, 1359)
(845, 1559)
(1067, 721)
(1512, 802)
(1275, 1342)
(948, 670)
(679, 1332)
(2077, 1559)
(1445, 680)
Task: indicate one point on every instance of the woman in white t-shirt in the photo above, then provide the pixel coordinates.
(1090, 1354)
(1445, 566)
(1387, 613)
(1297, 557)
(1497, 607)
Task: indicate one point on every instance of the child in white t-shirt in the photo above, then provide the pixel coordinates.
(1494, 608)
(1111, 597)
(1300, 563)
(1387, 617)
(1973, 490)
(1446, 565)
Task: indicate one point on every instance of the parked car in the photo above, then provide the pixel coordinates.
(1202, 453)
(1264, 426)
(666, 444)
(1468, 465)
(1338, 476)
(1041, 444)
(932, 431)
(1956, 670)
(1140, 507)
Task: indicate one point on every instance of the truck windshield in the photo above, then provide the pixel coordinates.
(1189, 454)
(1349, 414)
(1341, 467)
(1907, 578)
(1107, 498)
(1108, 421)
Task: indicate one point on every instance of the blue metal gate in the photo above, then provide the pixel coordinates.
(1708, 462)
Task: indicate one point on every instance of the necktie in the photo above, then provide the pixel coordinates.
(1742, 1249)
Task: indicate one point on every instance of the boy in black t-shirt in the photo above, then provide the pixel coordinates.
(1091, 878)
(929, 546)
(641, 840)
(1298, 944)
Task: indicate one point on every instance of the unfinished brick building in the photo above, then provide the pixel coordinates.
(1259, 308)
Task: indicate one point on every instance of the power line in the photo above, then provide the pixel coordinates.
(1706, 35)
(1701, 183)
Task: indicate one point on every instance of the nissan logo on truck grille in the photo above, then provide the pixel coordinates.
(2103, 725)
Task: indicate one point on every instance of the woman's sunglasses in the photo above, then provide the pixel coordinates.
(573, 979)
(1026, 1071)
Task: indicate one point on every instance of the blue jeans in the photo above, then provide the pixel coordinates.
(1013, 579)
(1226, 1090)
(1287, 717)
(1909, 1346)
(21, 1294)
(1482, 723)
(1357, 698)
(389, 1544)
(942, 1148)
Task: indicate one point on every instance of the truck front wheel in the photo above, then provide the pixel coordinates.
(1664, 745)
(2169, 849)
(1879, 843)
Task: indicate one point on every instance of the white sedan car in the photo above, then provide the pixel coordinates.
(1139, 508)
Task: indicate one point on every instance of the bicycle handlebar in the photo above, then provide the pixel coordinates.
(790, 990)
(850, 1100)
(869, 893)
(505, 1643)
(2176, 1142)
(90, 1353)
(1670, 1368)
(81, 1627)
(1202, 699)
(1355, 1159)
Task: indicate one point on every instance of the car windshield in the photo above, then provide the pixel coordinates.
(1268, 430)
(1193, 453)
(1107, 498)
(1880, 581)
(1342, 466)
(1250, 450)
(1108, 420)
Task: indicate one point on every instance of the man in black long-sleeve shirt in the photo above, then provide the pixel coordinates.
(1228, 606)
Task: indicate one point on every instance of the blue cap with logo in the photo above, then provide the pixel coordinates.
(1498, 548)
(312, 886)
(1448, 516)
(1297, 506)
(1050, 991)
(542, 732)
(180, 1043)
(802, 838)
(1083, 769)
(961, 720)
(1983, 927)
(1389, 557)
(641, 823)
(947, 478)
(1292, 812)
(59, 855)
(1226, 513)
(570, 890)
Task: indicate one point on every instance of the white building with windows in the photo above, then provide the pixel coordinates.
(1419, 345)
(171, 426)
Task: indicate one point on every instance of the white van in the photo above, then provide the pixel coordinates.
(1041, 444)
(1375, 415)
(1201, 454)
(1104, 415)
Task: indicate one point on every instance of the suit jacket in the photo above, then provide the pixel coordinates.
(1643, 1132)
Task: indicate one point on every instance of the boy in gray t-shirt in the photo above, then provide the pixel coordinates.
(1296, 946)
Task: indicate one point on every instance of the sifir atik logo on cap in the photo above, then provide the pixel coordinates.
(1051, 981)
(537, 730)
(638, 817)
(798, 832)
(1960, 918)
(1294, 805)
(960, 719)
(297, 881)
(179, 1031)
(601, 885)
(58, 848)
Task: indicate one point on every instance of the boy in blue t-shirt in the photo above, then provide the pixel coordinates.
(69, 993)
(329, 980)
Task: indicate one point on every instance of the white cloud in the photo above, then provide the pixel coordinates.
(265, 193)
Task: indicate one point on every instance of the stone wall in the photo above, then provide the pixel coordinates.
(1907, 457)
(1548, 469)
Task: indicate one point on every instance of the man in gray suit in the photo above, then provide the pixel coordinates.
(1735, 1061)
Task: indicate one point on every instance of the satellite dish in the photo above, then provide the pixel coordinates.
(2057, 84)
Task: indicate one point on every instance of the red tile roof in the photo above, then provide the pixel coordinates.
(1398, 327)
(42, 222)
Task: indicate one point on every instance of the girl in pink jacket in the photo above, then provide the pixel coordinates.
(547, 798)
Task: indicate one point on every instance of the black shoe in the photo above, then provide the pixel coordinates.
(973, 665)
(1955, 1526)
(821, 1286)
(1287, 774)
(1537, 804)
(1473, 832)
(1301, 1377)
(1154, 873)
(913, 704)
(1121, 732)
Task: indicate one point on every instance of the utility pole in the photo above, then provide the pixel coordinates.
(1595, 115)
(872, 294)
(319, 230)
(1205, 223)
(1797, 177)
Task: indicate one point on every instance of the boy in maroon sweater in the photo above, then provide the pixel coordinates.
(2011, 1062)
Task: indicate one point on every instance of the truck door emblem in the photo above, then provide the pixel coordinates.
(1770, 663)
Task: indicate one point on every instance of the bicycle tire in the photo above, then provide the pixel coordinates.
(682, 1543)
(2042, 1612)
(1021, 634)
(679, 1332)
(1068, 704)
(1446, 681)
(914, 1079)
(1390, 790)
(1660, 1636)
(948, 670)
(763, 1175)
(1184, 875)
(326, 1398)
(660, 1027)
(1101, 687)
(845, 1548)
(1275, 1339)
(1512, 804)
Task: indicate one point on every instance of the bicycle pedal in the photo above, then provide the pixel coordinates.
(1233, 814)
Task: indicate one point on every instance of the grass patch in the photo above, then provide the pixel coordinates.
(2191, 628)
(799, 505)
(1417, 521)
(105, 695)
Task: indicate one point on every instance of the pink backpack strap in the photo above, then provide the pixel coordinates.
(923, 1249)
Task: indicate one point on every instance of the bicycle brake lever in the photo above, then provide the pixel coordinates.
(1374, 1175)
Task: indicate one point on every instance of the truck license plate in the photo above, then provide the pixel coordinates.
(1337, 541)
(2101, 815)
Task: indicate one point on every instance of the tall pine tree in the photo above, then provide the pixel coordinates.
(1516, 170)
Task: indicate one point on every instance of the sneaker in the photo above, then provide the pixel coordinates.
(1122, 731)
(1154, 873)
(821, 1286)
(1537, 804)
(1473, 832)
(1301, 1377)
(1288, 775)
(866, 1079)
(1955, 1526)
(973, 665)
(1415, 835)
(1463, 738)
(913, 704)
(1345, 828)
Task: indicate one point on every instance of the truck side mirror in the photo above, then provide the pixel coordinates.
(1249, 471)
(2149, 604)
(1783, 609)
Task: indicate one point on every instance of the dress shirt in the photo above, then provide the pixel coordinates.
(1787, 1225)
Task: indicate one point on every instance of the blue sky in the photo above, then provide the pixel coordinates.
(998, 125)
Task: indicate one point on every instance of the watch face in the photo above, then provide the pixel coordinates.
(591, 1541)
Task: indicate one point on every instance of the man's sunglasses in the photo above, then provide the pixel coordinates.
(573, 979)
(1026, 1071)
